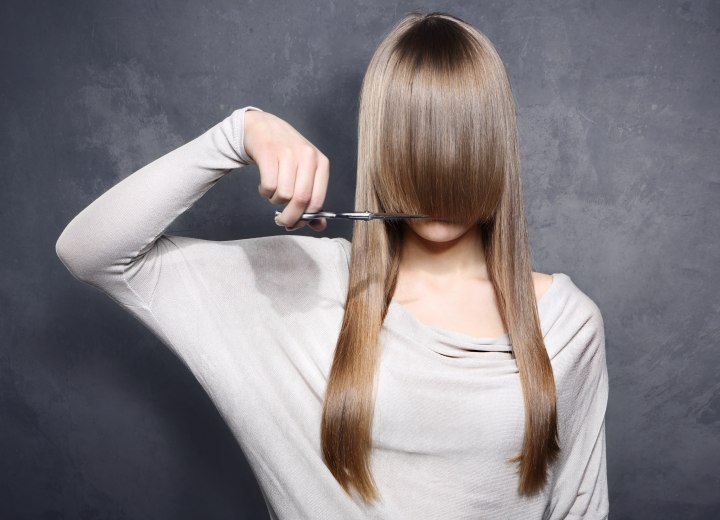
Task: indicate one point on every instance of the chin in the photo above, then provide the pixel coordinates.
(438, 230)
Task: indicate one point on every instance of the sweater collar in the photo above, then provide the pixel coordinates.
(454, 344)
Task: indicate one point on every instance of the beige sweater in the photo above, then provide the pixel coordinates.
(256, 321)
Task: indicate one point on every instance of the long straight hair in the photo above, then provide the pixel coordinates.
(436, 135)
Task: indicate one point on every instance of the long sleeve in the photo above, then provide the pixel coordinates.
(104, 244)
(580, 488)
(117, 243)
(255, 320)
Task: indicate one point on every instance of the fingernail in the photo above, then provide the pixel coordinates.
(277, 214)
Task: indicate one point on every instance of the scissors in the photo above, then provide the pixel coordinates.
(357, 215)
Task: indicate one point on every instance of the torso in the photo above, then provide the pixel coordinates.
(469, 307)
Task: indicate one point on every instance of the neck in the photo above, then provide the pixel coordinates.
(460, 258)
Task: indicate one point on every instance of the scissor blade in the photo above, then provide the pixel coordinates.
(396, 215)
(357, 215)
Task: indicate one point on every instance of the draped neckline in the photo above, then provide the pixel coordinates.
(454, 344)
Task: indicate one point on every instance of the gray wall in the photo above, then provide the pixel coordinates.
(618, 114)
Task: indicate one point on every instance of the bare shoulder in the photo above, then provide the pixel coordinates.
(542, 283)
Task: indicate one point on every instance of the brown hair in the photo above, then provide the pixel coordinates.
(436, 135)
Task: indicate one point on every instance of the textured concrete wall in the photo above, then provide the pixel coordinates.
(618, 113)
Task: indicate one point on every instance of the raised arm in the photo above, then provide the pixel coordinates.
(103, 242)
(117, 244)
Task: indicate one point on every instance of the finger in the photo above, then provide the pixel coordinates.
(318, 224)
(302, 193)
(285, 181)
(320, 185)
(268, 166)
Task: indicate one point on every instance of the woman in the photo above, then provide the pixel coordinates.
(375, 379)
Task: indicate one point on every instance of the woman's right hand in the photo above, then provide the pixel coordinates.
(292, 169)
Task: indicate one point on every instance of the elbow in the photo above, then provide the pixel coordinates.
(65, 252)
(71, 255)
(61, 247)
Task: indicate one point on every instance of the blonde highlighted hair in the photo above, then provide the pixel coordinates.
(436, 135)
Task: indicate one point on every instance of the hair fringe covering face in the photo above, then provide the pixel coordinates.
(436, 135)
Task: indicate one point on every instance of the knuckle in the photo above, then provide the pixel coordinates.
(307, 151)
(283, 193)
(266, 188)
(302, 197)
